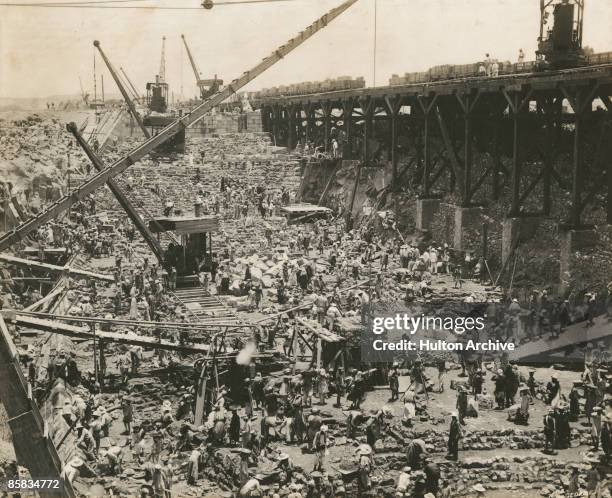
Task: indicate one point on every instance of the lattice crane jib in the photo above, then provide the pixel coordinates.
(162, 63)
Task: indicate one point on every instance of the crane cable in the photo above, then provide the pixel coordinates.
(103, 4)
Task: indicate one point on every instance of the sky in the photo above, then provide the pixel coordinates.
(44, 51)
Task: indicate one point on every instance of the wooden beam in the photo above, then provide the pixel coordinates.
(49, 297)
(322, 333)
(33, 446)
(450, 149)
(199, 325)
(329, 182)
(73, 272)
(76, 332)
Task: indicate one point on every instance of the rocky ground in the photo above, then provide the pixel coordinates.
(507, 459)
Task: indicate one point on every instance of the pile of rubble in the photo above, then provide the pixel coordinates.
(34, 160)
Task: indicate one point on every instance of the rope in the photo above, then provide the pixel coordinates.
(103, 4)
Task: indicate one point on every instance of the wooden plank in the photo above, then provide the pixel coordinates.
(199, 325)
(57, 327)
(305, 208)
(46, 250)
(55, 292)
(73, 272)
(322, 334)
(185, 225)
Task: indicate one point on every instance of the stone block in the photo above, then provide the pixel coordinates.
(466, 219)
(573, 241)
(426, 209)
(515, 230)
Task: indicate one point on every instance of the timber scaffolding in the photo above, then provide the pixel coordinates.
(531, 108)
(58, 324)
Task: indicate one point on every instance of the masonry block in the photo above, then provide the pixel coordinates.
(426, 209)
(516, 230)
(573, 241)
(468, 223)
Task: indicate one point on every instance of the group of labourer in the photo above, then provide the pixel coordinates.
(177, 439)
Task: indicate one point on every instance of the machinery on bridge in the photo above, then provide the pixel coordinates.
(157, 91)
(560, 40)
(207, 87)
(122, 89)
(559, 47)
(177, 126)
(157, 101)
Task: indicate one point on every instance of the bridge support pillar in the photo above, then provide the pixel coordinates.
(514, 231)
(426, 209)
(571, 242)
(467, 219)
(347, 117)
(291, 133)
(326, 108)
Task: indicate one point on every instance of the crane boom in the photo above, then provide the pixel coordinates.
(121, 197)
(126, 85)
(126, 97)
(196, 72)
(169, 131)
(138, 97)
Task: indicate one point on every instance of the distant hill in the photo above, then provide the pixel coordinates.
(40, 103)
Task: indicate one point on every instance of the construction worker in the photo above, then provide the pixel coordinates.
(550, 431)
(394, 382)
(365, 464)
(314, 423)
(114, 458)
(320, 448)
(454, 435)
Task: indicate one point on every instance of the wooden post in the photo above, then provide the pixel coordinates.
(485, 240)
(516, 160)
(102, 361)
(577, 173)
(467, 158)
(275, 119)
(426, 155)
(326, 108)
(393, 148)
(95, 352)
(347, 117)
(291, 123)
